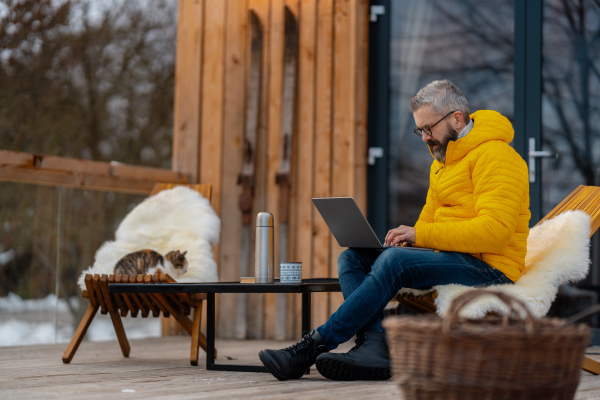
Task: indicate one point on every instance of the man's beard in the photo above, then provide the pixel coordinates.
(439, 152)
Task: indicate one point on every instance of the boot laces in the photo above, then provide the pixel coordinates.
(360, 340)
(299, 349)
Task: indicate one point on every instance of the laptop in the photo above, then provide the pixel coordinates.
(348, 224)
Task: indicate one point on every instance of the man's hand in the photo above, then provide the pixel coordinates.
(401, 236)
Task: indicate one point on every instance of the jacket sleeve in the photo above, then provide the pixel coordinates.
(500, 183)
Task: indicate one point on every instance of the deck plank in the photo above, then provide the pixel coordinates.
(159, 368)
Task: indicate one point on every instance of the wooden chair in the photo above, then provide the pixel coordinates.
(584, 198)
(118, 305)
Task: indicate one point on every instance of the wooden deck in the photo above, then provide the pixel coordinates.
(159, 368)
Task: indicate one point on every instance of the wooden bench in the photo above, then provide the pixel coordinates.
(117, 305)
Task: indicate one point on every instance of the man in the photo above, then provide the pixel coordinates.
(476, 215)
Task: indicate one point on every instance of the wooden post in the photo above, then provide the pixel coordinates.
(233, 131)
(302, 159)
(188, 103)
(349, 127)
(256, 307)
(212, 113)
(188, 88)
(323, 136)
(274, 82)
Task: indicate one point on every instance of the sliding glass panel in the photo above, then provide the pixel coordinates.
(571, 106)
(468, 42)
(571, 98)
(47, 232)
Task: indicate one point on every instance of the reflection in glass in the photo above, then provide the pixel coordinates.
(29, 239)
(570, 98)
(468, 42)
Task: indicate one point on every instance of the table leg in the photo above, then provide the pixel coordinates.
(306, 311)
(210, 330)
(210, 343)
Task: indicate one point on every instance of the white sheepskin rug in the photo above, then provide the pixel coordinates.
(557, 253)
(173, 219)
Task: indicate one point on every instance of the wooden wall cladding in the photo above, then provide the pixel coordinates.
(329, 143)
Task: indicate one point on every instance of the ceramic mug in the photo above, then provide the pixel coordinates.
(290, 272)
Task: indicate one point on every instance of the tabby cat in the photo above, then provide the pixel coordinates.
(150, 262)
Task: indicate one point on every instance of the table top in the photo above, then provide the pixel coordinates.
(306, 286)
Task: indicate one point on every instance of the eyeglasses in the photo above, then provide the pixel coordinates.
(427, 129)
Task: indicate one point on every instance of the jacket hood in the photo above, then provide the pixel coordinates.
(487, 125)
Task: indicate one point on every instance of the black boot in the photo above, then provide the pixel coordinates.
(369, 360)
(293, 362)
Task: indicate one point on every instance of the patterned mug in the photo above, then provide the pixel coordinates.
(290, 272)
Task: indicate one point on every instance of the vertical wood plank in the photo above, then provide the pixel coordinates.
(302, 207)
(188, 89)
(211, 136)
(187, 101)
(343, 93)
(360, 30)
(275, 38)
(256, 301)
(233, 131)
(211, 152)
(322, 163)
(292, 309)
(343, 116)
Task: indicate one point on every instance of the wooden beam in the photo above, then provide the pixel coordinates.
(233, 132)
(360, 53)
(293, 305)
(349, 152)
(274, 82)
(85, 174)
(322, 159)
(255, 301)
(304, 143)
(211, 134)
(188, 89)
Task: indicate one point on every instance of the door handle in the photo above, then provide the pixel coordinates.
(374, 153)
(533, 154)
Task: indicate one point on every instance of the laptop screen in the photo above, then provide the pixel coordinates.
(349, 225)
(346, 222)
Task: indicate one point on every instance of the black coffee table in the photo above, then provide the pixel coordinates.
(306, 287)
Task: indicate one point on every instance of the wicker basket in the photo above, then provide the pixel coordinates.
(492, 358)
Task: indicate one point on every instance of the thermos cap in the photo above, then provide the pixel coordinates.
(264, 219)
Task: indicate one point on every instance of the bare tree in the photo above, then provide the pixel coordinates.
(572, 82)
(82, 79)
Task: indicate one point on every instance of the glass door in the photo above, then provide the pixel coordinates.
(570, 97)
(570, 102)
(469, 42)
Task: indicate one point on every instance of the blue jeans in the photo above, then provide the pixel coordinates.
(371, 278)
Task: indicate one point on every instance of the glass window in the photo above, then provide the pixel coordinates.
(45, 231)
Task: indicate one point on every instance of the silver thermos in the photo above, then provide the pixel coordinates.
(263, 254)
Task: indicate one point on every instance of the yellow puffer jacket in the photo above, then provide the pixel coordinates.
(478, 201)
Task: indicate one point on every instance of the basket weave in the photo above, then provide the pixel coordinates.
(493, 358)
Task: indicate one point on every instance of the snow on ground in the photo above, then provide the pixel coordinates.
(31, 322)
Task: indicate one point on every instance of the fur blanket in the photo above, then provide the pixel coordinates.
(557, 253)
(174, 219)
